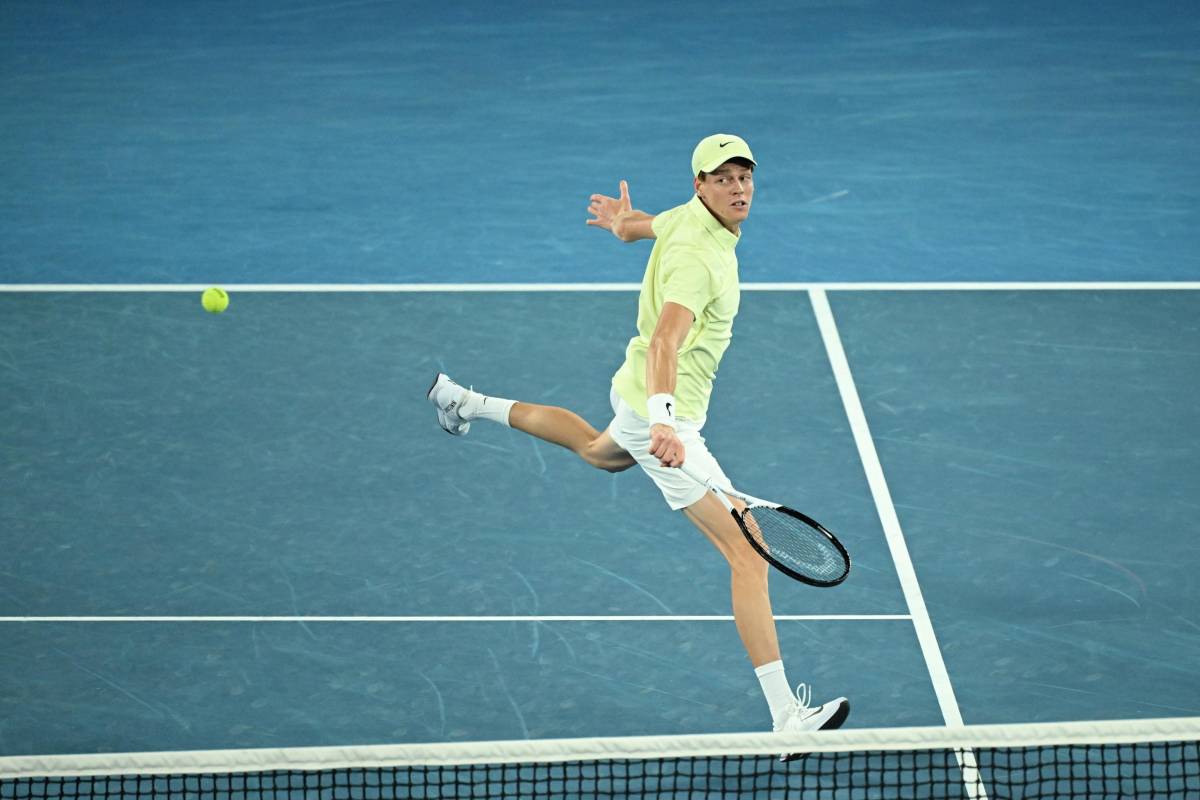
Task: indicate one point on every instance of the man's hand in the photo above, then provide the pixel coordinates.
(617, 216)
(608, 210)
(665, 446)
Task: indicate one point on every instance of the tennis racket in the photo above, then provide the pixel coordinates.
(794, 543)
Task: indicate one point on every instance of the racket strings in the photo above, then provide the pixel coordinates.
(794, 543)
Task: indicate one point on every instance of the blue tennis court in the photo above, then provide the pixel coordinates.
(969, 341)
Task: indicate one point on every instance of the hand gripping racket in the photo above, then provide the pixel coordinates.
(794, 543)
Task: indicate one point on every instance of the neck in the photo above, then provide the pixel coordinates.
(733, 227)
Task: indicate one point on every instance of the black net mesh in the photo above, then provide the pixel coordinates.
(1168, 769)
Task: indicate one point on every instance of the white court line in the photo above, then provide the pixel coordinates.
(531, 618)
(979, 286)
(887, 512)
(966, 286)
(324, 287)
(940, 678)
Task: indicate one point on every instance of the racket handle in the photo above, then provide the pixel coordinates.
(707, 480)
(709, 484)
(721, 490)
(698, 477)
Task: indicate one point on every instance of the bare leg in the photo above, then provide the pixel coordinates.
(567, 429)
(748, 577)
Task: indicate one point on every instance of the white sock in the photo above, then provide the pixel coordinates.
(481, 406)
(775, 687)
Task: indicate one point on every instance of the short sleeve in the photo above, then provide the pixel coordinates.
(660, 222)
(686, 279)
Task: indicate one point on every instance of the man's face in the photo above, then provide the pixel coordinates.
(728, 191)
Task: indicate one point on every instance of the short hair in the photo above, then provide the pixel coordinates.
(741, 162)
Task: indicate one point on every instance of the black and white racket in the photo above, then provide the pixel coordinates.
(794, 543)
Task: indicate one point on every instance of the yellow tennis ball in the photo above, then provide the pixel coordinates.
(214, 300)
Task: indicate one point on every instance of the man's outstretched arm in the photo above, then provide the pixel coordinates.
(618, 216)
(662, 365)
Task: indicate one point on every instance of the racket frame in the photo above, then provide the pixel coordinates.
(723, 493)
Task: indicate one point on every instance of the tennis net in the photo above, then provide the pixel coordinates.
(1126, 759)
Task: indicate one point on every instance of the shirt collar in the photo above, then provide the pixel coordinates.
(712, 224)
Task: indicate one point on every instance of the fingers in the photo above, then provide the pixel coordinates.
(667, 448)
(623, 198)
(603, 218)
(605, 208)
(602, 208)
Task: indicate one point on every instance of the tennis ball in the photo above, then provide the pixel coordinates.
(214, 300)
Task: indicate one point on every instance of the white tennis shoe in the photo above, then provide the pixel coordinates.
(800, 717)
(447, 397)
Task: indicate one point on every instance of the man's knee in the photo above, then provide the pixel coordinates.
(744, 560)
(602, 457)
(614, 464)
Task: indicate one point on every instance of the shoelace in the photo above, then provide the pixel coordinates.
(803, 698)
(798, 709)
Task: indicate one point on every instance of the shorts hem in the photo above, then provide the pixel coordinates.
(700, 491)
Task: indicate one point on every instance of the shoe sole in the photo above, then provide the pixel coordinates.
(833, 723)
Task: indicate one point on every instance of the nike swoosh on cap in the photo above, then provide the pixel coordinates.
(722, 144)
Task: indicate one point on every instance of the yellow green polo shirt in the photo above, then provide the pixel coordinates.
(693, 264)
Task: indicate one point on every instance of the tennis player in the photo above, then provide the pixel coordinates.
(688, 301)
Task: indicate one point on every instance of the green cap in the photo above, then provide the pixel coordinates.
(715, 150)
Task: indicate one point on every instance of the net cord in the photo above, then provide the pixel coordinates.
(632, 747)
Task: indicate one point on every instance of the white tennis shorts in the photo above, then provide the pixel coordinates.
(632, 432)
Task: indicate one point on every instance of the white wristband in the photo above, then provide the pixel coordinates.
(662, 409)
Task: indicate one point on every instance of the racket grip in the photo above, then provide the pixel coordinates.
(704, 480)
(707, 480)
(694, 475)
